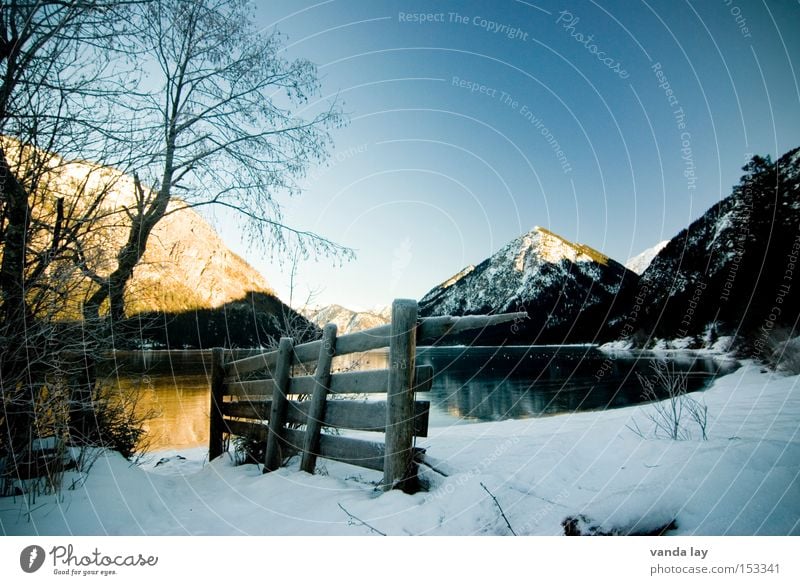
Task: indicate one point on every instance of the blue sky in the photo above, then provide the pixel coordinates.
(488, 118)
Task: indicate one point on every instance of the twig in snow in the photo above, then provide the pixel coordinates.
(32, 510)
(634, 427)
(499, 507)
(356, 521)
(422, 461)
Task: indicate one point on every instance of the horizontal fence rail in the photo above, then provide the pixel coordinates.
(257, 397)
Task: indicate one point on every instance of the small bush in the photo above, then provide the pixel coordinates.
(53, 427)
(247, 450)
(119, 423)
(671, 416)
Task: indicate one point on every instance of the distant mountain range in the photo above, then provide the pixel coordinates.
(732, 272)
(347, 320)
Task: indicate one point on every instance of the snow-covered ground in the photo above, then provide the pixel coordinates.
(743, 480)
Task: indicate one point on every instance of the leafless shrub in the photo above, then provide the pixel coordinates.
(666, 388)
(61, 423)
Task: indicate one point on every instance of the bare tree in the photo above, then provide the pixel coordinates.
(57, 92)
(222, 128)
(53, 67)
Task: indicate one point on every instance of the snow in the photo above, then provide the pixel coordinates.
(679, 343)
(640, 262)
(720, 348)
(743, 480)
(617, 345)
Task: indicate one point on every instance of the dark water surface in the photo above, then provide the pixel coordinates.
(471, 384)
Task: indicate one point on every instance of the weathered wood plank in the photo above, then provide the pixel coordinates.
(358, 416)
(379, 337)
(302, 385)
(316, 408)
(361, 382)
(215, 430)
(258, 410)
(423, 378)
(264, 361)
(292, 442)
(254, 431)
(374, 338)
(345, 449)
(366, 454)
(353, 451)
(435, 327)
(254, 388)
(306, 352)
(277, 417)
(357, 382)
(422, 417)
(399, 467)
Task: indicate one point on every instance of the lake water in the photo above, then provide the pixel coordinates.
(471, 384)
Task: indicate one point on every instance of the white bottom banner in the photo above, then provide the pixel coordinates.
(330, 560)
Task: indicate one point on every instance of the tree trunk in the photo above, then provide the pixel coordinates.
(12, 269)
(128, 257)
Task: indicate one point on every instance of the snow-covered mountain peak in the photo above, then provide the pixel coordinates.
(641, 261)
(552, 248)
(556, 281)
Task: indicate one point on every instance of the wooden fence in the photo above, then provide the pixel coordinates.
(257, 397)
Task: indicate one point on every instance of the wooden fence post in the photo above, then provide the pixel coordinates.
(277, 419)
(316, 411)
(216, 425)
(398, 465)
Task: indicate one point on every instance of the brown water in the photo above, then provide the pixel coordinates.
(475, 384)
(174, 386)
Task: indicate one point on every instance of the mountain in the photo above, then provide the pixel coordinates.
(641, 261)
(347, 320)
(256, 320)
(567, 289)
(186, 269)
(187, 266)
(735, 269)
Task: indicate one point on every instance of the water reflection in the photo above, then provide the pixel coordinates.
(174, 386)
(489, 384)
(470, 385)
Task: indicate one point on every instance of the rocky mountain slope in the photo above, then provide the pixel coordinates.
(188, 266)
(735, 269)
(566, 288)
